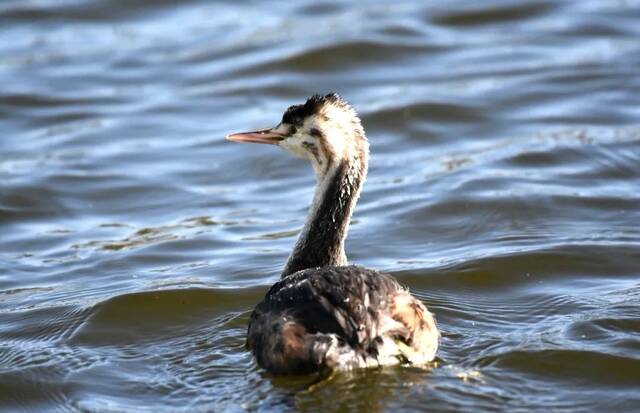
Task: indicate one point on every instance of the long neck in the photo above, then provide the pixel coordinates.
(321, 242)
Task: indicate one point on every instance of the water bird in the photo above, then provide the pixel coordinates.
(323, 314)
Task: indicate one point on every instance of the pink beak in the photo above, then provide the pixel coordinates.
(261, 136)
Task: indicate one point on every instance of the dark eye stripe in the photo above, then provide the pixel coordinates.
(314, 150)
(316, 133)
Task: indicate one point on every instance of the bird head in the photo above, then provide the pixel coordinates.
(324, 130)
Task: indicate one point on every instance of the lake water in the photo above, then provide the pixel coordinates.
(504, 189)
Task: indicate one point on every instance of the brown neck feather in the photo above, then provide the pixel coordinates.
(321, 242)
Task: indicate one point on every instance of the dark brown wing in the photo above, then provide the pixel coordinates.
(346, 301)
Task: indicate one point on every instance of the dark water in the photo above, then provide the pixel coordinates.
(504, 189)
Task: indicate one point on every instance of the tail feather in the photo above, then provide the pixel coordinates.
(420, 341)
(406, 334)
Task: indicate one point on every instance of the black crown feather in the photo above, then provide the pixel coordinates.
(296, 113)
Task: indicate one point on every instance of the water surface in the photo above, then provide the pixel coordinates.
(504, 189)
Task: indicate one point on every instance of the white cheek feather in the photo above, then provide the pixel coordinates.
(293, 144)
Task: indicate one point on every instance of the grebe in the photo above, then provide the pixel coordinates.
(323, 314)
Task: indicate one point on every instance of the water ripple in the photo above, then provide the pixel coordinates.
(503, 190)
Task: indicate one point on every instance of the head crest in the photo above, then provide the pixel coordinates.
(313, 105)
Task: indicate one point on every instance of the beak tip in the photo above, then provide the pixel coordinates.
(233, 137)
